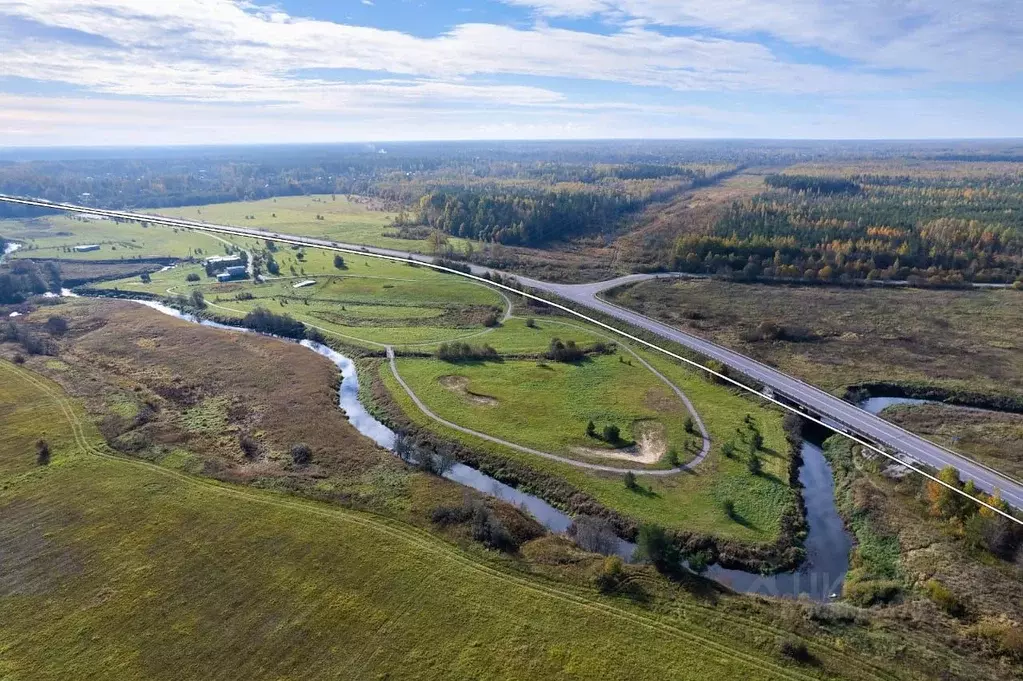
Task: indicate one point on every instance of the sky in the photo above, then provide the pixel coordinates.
(152, 72)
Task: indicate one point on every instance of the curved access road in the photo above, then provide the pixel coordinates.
(815, 401)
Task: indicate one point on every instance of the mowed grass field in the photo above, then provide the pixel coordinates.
(120, 569)
(341, 220)
(692, 501)
(56, 236)
(547, 405)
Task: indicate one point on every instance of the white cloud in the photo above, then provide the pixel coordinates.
(235, 51)
(254, 69)
(980, 39)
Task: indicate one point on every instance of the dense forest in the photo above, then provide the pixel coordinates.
(938, 230)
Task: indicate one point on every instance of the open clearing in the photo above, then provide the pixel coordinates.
(547, 405)
(358, 221)
(55, 236)
(956, 339)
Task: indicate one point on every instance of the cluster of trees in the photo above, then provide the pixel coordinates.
(464, 352)
(983, 527)
(564, 351)
(22, 279)
(930, 231)
(264, 321)
(521, 217)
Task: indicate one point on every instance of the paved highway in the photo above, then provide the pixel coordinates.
(818, 401)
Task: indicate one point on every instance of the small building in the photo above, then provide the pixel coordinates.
(303, 284)
(221, 261)
(86, 248)
(231, 273)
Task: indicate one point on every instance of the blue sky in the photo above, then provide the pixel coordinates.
(129, 72)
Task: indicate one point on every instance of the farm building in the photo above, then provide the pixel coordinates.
(229, 273)
(221, 261)
(86, 248)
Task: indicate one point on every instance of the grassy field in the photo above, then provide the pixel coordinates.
(344, 221)
(692, 501)
(955, 339)
(56, 237)
(547, 406)
(993, 438)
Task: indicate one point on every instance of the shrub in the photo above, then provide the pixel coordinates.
(56, 326)
(754, 464)
(795, 650)
(672, 458)
(301, 454)
(612, 434)
(689, 426)
(19, 358)
(567, 351)
(146, 279)
(491, 320)
(591, 429)
(43, 453)
(871, 592)
(339, 261)
(192, 276)
(249, 446)
(630, 481)
(198, 300)
(462, 352)
(530, 323)
(610, 575)
(944, 598)
(729, 508)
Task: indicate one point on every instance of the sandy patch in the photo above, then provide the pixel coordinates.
(460, 385)
(651, 445)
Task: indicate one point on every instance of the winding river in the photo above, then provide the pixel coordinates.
(827, 543)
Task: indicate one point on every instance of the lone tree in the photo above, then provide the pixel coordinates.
(301, 454)
(656, 546)
(43, 453)
(198, 300)
(146, 279)
(754, 464)
(591, 429)
(339, 262)
(612, 434)
(630, 481)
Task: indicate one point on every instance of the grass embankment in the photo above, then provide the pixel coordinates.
(993, 438)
